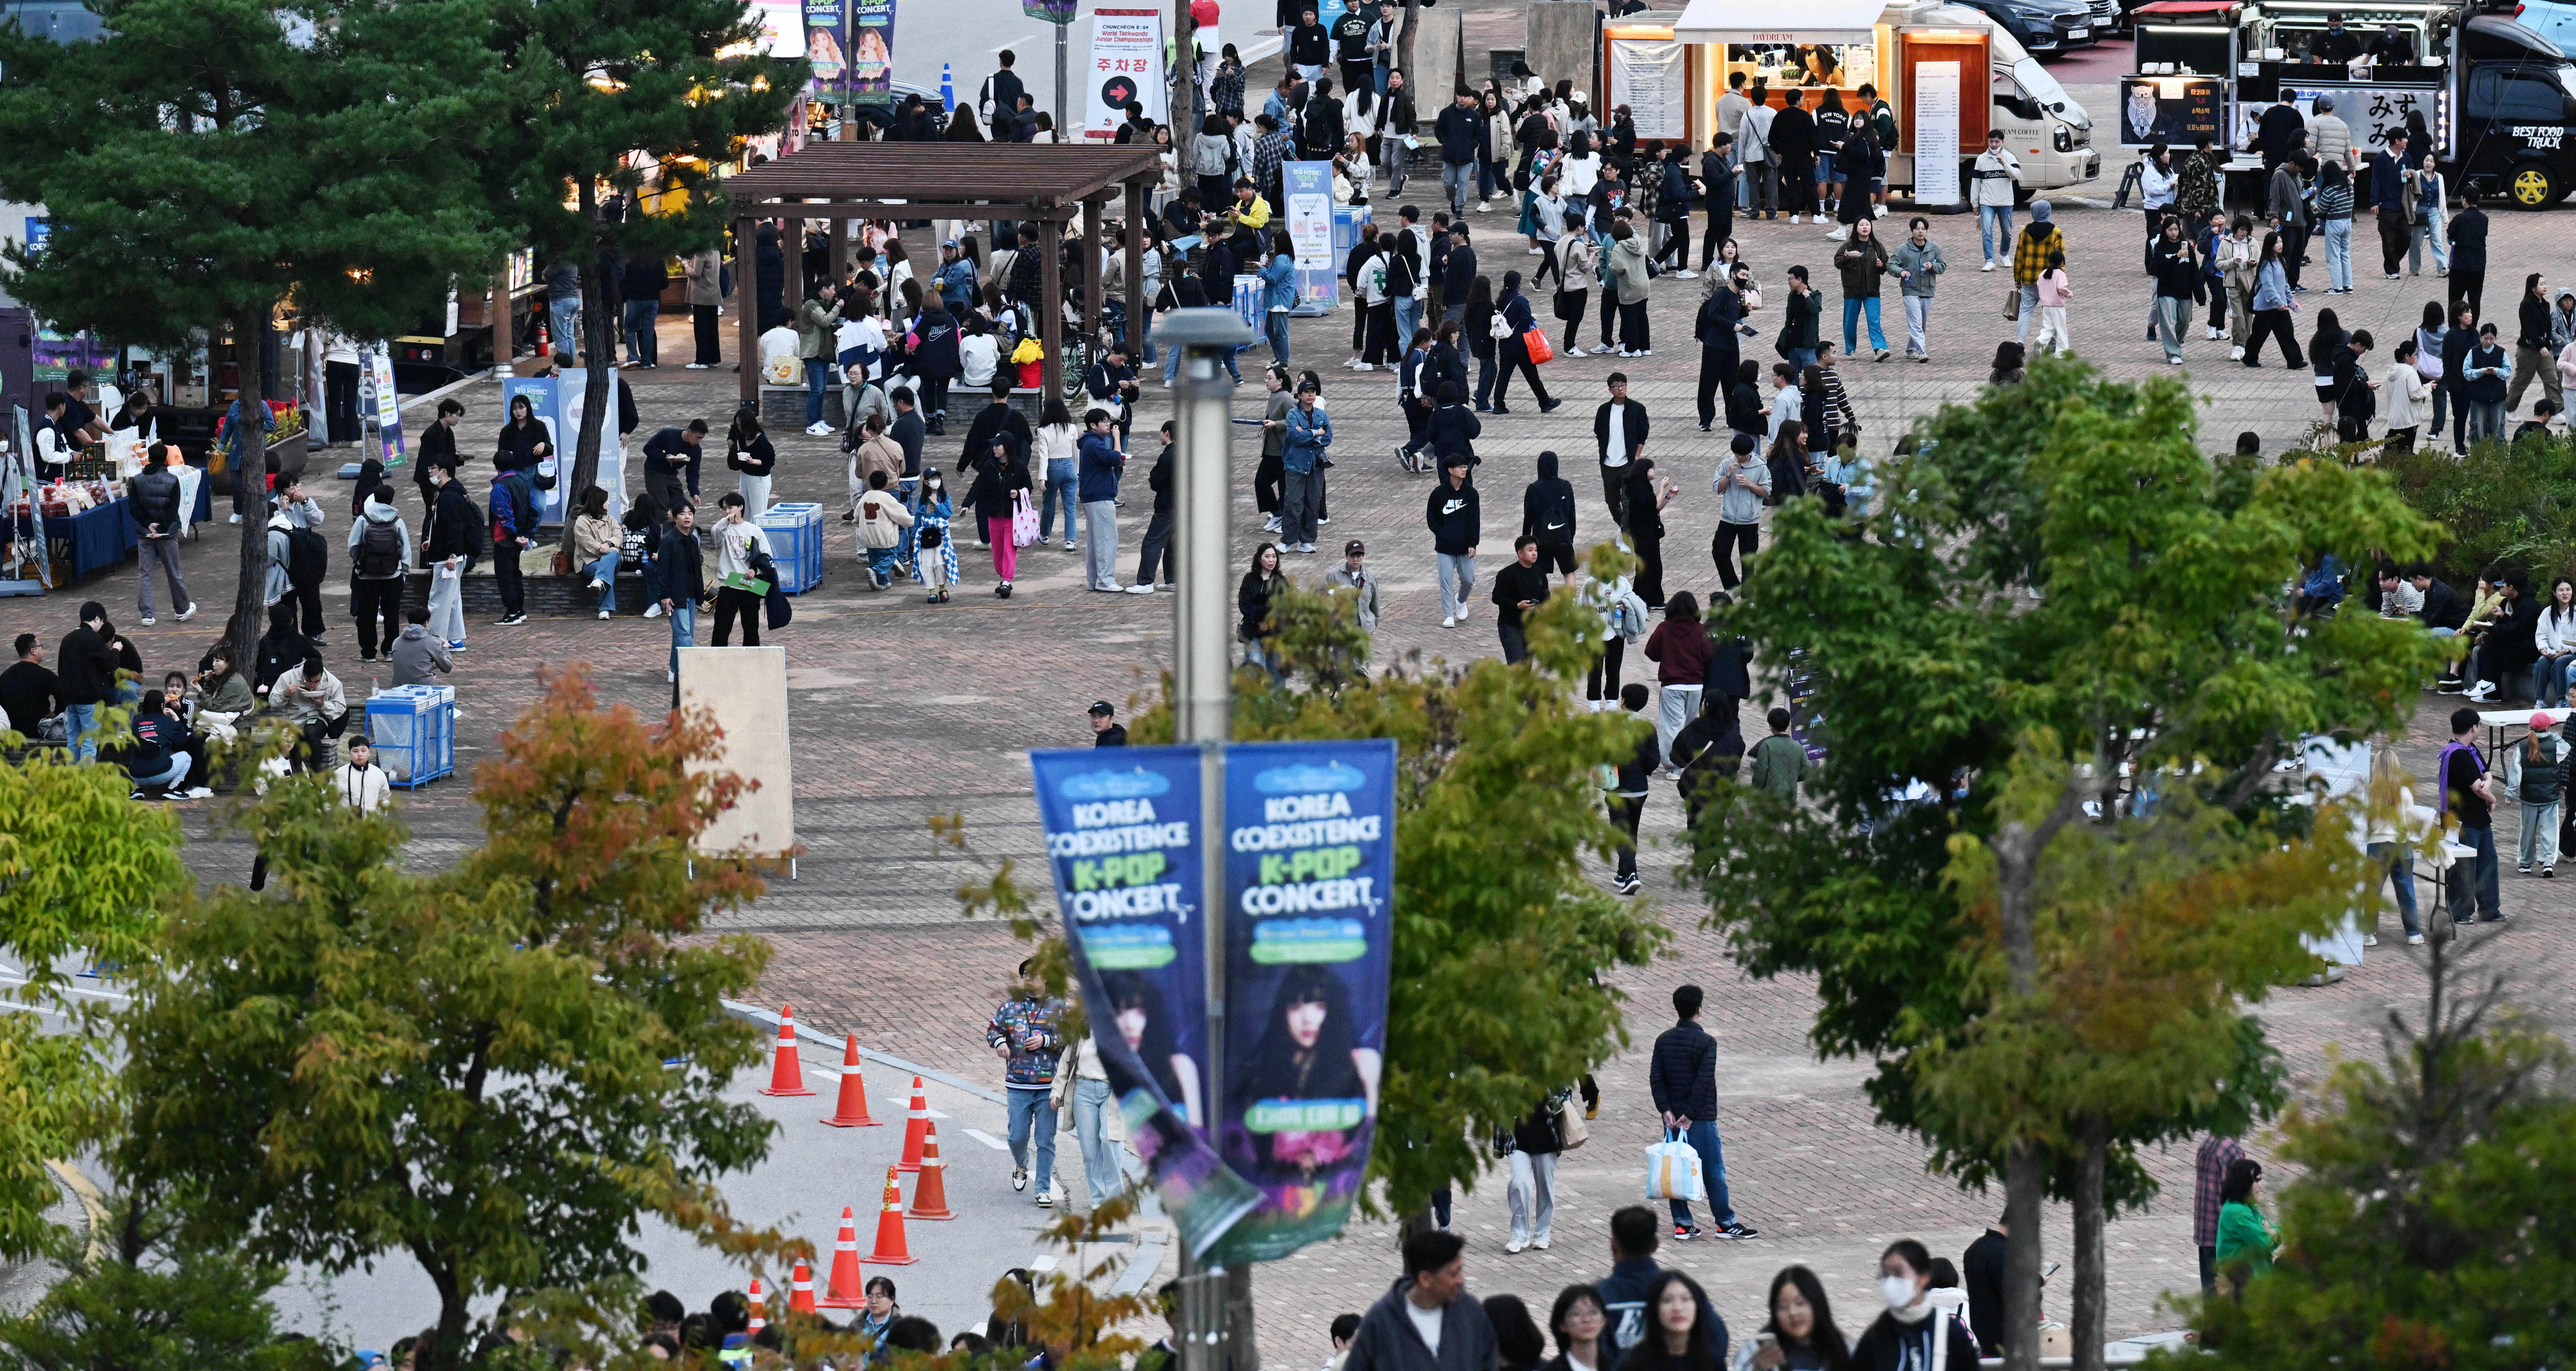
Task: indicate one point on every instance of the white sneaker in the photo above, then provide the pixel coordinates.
(1605, 350)
(1539, 1243)
(603, 614)
(1799, 218)
(598, 584)
(2482, 691)
(1271, 524)
(697, 366)
(1046, 1199)
(2414, 940)
(1365, 366)
(653, 610)
(189, 613)
(149, 621)
(1140, 590)
(818, 430)
(200, 793)
(1989, 266)
(1838, 235)
(2236, 354)
(1878, 211)
(235, 519)
(1484, 206)
(1515, 1247)
(1450, 622)
(1687, 274)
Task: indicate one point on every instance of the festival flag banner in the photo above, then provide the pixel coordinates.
(1309, 211)
(1122, 833)
(827, 45)
(1052, 11)
(389, 434)
(1309, 889)
(1126, 65)
(871, 74)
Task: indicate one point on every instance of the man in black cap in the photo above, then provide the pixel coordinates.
(2337, 43)
(1106, 731)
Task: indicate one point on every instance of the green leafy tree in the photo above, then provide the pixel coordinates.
(236, 155)
(496, 1071)
(84, 872)
(598, 90)
(2432, 1224)
(2059, 593)
(155, 1303)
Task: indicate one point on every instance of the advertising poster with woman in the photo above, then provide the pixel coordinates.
(1122, 828)
(827, 44)
(871, 52)
(1310, 883)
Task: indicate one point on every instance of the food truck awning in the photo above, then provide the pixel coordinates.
(1768, 21)
(2186, 9)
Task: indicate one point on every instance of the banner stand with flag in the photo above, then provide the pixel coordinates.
(1309, 214)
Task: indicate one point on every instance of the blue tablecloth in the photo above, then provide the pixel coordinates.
(100, 537)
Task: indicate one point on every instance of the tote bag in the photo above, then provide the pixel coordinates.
(1024, 519)
(1672, 1170)
(1540, 350)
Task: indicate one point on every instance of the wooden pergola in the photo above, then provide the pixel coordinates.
(1021, 182)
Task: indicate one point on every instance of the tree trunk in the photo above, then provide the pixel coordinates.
(599, 387)
(2025, 1196)
(250, 492)
(447, 1351)
(1185, 73)
(2092, 1310)
(1404, 56)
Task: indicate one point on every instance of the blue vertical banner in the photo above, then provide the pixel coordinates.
(1309, 212)
(1122, 832)
(872, 52)
(1309, 890)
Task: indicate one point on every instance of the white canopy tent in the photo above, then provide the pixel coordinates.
(1768, 21)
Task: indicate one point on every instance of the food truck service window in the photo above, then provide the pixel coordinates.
(1842, 66)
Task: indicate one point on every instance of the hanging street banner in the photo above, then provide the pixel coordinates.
(1122, 833)
(1126, 65)
(827, 46)
(1309, 890)
(1309, 212)
(1052, 11)
(871, 75)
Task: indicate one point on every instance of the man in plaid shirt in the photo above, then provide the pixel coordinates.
(2038, 238)
(1268, 152)
(2208, 1174)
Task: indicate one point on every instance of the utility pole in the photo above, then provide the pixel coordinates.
(1063, 45)
(1203, 681)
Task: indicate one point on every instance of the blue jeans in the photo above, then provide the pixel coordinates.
(1994, 225)
(2029, 313)
(818, 375)
(2395, 859)
(564, 316)
(79, 720)
(2549, 680)
(1408, 317)
(1091, 1109)
(1802, 358)
(684, 629)
(641, 344)
(1485, 379)
(2339, 253)
(168, 777)
(1274, 324)
(1059, 488)
(1852, 311)
(2474, 877)
(1033, 1121)
(604, 571)
(1460, 180)
(1702, 1136)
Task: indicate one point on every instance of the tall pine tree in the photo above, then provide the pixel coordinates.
(606, 96)
(206, 161)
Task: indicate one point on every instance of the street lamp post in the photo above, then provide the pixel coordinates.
(1203, 707)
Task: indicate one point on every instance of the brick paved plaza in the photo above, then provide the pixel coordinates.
(901, 710)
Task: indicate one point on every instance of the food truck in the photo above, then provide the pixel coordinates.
(1949, 72)
(2497, 98)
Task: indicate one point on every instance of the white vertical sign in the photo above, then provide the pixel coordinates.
(1647, 77)
(1126, 63)
(1936, 133)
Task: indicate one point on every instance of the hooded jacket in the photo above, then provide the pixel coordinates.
(87, 666)
(279, 554)
(1861, 265)
(1453, 518)
(1387, 1340)
(1547, 506)
(1628, 263)
(419, 658)
(451, 524)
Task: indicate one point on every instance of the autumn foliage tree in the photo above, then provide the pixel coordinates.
(495, 1071)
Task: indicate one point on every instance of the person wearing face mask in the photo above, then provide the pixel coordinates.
(1801, 1335)
(934, 548)
(1916, 1333)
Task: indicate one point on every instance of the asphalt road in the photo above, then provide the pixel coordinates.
(969, 36)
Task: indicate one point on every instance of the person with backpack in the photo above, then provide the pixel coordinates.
(300, 555)
(456, 538)
(514, 529)
(380, 566)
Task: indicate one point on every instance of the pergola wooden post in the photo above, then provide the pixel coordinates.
(746, 306)
(1137, 230)
(1038, 182)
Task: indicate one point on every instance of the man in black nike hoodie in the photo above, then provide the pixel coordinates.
(1452, 517)
(1547, 514)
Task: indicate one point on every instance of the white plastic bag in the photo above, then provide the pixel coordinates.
(1672, 1170)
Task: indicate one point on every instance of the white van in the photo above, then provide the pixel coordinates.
(2043, 126)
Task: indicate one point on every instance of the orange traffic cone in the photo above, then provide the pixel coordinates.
(890, 1245)
(786, 1070)
(930, 1192)
(845, 1291)
(853, 1111)
(800, 1292)
(916, 1127)
(759, 1307)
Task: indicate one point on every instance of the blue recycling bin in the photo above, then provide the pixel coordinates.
(796, 544)
(413, 729)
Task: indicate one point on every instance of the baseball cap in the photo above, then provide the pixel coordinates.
(2541, 722)
(1354, 548)
(1103, 707)
(948, 242)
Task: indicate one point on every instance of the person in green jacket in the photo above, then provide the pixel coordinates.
(1777, 763)
(2245, 1242)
